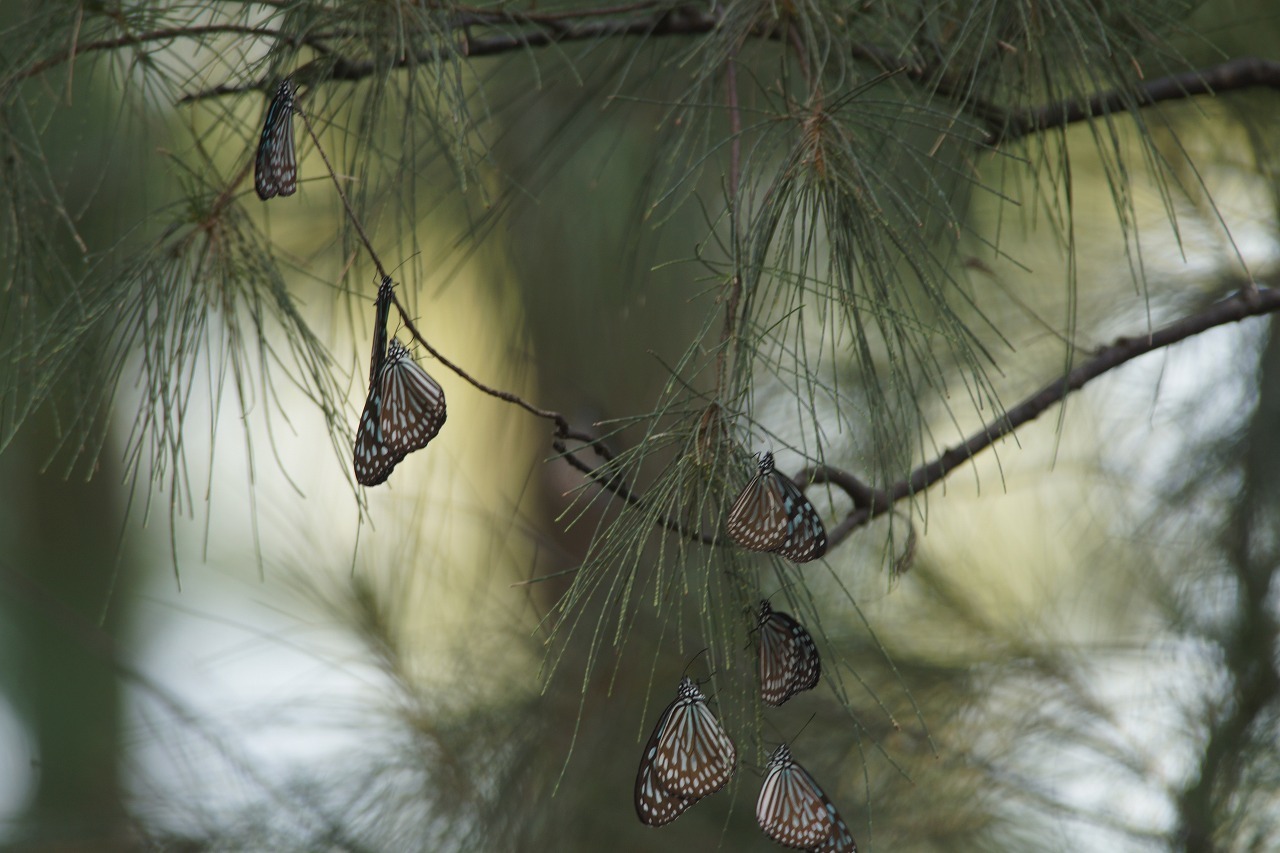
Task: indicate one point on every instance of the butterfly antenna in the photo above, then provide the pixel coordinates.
(785, 586)
(691, 662)
(802, 728)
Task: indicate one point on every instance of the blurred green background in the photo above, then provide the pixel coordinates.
(208, 642)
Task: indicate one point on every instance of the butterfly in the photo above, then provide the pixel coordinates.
(772, 514)
(275, 170)
(373, 458)
(688, 756)
(793, 811)
(788, 657)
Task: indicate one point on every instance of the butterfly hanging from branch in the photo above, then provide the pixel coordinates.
(789, 660)
(793, 810)
(405, 407)
(688, 757)
(275, 169)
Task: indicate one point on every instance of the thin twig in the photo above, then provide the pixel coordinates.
(337, 185)
(735, 129)
(870, 503)
(166, 34)
(612, 482)
(563, 432)
(733, 287)
(562, 425)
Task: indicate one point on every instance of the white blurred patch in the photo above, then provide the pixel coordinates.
(17, 767)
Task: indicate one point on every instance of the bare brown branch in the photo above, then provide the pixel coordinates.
(870, 503)
(167, 34)
(533, 29)
(1234, 75)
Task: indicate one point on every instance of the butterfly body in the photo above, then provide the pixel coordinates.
(772, 514)
(688, 757)
(382, 315)
(789, 661)
(373, 460)
(275, 169)
(793, 810)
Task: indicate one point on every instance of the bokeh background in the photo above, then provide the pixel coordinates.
(210, 640)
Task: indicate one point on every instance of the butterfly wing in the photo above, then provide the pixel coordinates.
(286, 162)
(789, 659)
(805, 538)
(373, 459)
(777, 657)
(772, 514)
(655, 805)
(758, 521)
(413, 406)
(694, 756)
(792, 810)
(276, 167)
(841, 839)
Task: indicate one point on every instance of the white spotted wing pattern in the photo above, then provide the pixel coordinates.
(275, 168)
(772, 514)
(374, 459)
(793, 810)
(413, 407)
(688, 757)
(789, 660)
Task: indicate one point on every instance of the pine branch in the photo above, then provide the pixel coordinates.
(871, 503)
(646, 19)
(534, 29)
